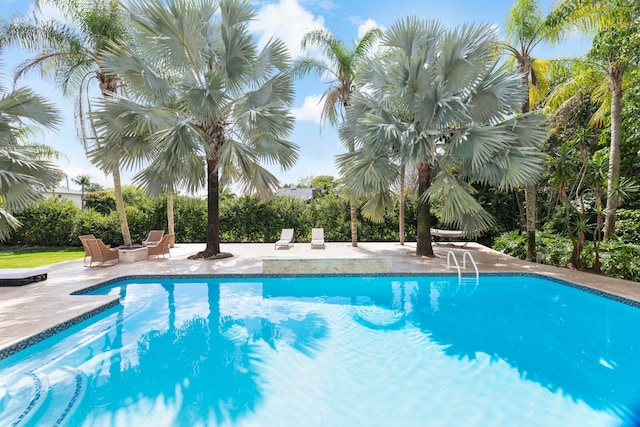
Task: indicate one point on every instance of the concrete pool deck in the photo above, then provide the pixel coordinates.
(30, 310)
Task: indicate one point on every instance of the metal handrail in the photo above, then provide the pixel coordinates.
(464, 262)
(451, 254)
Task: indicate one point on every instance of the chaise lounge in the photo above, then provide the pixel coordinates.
(317, 238)
(286, 238)
(22, 276)
(448, 234)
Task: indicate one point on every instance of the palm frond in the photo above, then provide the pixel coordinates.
(308, 66)
(23, 103)
(458, 207)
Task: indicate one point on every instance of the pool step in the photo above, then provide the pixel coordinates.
(22, 399)
(42, 399)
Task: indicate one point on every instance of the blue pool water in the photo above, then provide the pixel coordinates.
(335, 351)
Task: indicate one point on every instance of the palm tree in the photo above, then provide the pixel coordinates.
(438, 100)
(83, 181)
(340, 64)
(68, 54)
(24, 174)
(615, 25)
(525, 29)
(198, 83)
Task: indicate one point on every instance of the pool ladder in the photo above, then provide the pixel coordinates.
(466, 254)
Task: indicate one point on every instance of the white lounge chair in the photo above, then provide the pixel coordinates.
(317, 238)
(286, 238)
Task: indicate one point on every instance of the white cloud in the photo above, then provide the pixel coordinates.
(366, 26)
(311, 109)
(287, 21)
(46, 12)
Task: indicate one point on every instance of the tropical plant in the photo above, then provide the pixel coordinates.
(615, 25)
(340, 65)
(68, 54)
(24, 174)
(525, 29)
(438, 100)
(198, 83)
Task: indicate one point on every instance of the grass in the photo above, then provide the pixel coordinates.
(36, 257)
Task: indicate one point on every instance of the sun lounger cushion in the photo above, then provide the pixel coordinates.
(317, 238)
(22, 276)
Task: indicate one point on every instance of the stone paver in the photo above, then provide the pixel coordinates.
(28, 310)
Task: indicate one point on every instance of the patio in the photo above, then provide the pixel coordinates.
(30, 310)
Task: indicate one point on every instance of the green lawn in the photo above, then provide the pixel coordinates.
(36, 257)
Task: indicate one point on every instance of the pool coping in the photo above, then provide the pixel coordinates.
(33, 339)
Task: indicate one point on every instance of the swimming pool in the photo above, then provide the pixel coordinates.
(335, 351)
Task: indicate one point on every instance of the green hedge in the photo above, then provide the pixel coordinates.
(53, 222)
(58, 222)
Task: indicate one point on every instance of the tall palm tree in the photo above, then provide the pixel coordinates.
(83, 181)
(24, 175)
(69, 55)
(438, 100)
(340, 65)
(197, 82)
(616, 27)
(525, 29)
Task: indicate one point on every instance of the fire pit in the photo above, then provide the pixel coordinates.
(130, 247)
(132, 253)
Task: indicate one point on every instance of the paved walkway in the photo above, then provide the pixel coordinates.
(27, 311)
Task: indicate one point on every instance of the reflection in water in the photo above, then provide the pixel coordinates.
(561, 338)
(202, 372)
(434, 294)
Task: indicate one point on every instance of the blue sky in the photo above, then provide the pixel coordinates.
(288, 20)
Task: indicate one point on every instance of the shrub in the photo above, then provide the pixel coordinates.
(628, 225)
(53, 222)
(102, 201)
(512, 243)
(619, 259)
(190, 219)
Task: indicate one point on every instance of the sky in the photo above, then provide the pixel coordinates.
(287, 20)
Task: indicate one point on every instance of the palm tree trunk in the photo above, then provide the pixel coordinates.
(354, 223)
(615, 83)
(353, 210)
(170, 216)
(530, 192)
(423, 244)
(122, 215)
(530, 206)
(597, 264)
(403, 170)
(213, 207)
